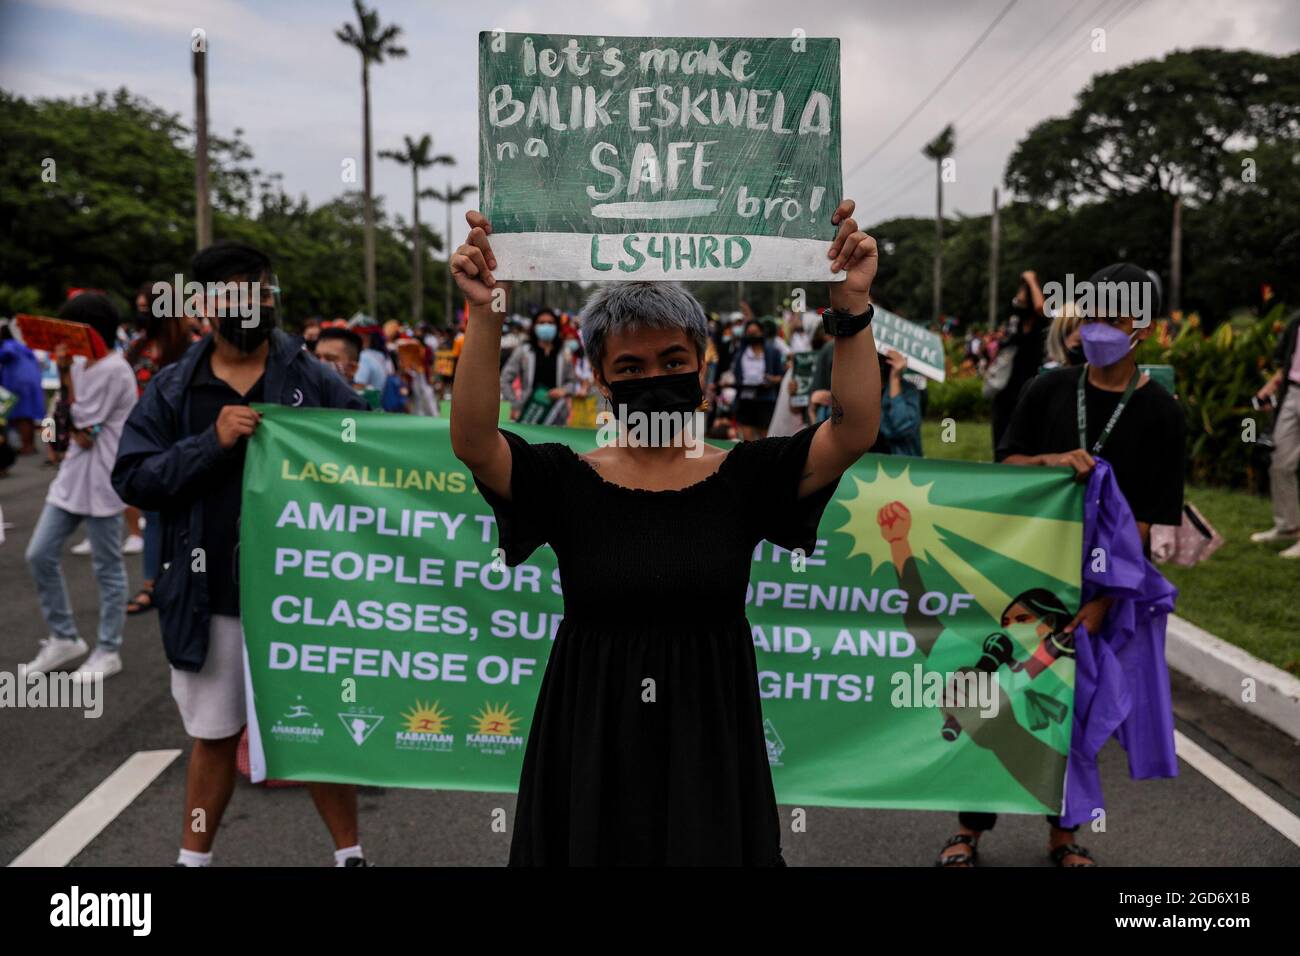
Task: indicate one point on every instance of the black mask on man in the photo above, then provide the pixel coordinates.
(231, 328)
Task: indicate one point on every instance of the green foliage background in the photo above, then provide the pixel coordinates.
(120, 211)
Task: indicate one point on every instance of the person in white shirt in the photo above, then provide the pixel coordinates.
(1283, 389)
(799, 327)
(101, 393)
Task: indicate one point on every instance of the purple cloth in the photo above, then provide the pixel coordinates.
(20, 373)
(1121, 681)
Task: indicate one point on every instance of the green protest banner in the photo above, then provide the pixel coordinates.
(389, 644)
(922, 348)
(659, 157)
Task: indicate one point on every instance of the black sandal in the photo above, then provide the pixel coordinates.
(142, 602)
(1058, 854)
(959, 859)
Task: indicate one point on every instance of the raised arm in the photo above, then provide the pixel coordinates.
(475, 395)
(855, 373)
(1036, 298)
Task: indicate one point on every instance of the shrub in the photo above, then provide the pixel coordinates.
(1216, 375)
(959, 398)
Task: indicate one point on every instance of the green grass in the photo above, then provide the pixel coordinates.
(1244, 594)
(971, 441)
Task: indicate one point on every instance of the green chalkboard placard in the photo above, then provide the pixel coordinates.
(659, 157)
(922, 348)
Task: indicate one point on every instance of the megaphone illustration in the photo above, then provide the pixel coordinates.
(999, 649)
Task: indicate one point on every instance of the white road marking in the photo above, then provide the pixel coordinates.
(1239, 788)
(80, 825)
(60, 843)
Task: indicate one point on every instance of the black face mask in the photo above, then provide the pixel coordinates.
(1074, 356)
(231, 328)
(143, 318)
(753, 340)
(658, 393)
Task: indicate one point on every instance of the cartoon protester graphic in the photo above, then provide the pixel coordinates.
(1036, 615)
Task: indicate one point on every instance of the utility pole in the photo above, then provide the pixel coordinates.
(995, 237)
(202, 196)
(938, 241)
(446, 309)
(1176, 258)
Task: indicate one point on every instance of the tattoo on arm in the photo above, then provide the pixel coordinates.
(837, 410)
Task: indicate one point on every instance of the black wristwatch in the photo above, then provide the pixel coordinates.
(842, 324)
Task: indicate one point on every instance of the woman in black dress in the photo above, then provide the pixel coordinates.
(647, 745)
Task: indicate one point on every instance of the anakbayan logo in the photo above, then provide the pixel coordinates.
(426, 729)
(298, 725)
(494, 730)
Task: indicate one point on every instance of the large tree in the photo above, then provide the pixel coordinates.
(1186, 134)
(374, 42)
(1179, 125)
(114, 207)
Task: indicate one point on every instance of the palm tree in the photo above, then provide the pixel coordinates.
(449, 199)
(417, 156)
(374, 42)
(939, 149)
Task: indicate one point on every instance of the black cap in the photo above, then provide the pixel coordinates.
(1128, 274)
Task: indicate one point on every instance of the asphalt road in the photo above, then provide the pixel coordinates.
(51, 759)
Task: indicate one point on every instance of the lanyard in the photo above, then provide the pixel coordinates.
(1114, 416)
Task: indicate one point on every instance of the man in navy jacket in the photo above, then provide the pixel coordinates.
(182, 455)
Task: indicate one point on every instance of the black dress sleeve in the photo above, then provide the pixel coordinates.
(535, 509)
(771, 469)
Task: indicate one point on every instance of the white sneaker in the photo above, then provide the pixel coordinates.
(83, 548)
(134, 544)
(55, 652)
(1291, 552)
(1273, 534)
(100, 661)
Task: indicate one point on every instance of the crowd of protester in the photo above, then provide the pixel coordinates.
(147, 446)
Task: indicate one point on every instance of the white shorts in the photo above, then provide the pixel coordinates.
(211, 700)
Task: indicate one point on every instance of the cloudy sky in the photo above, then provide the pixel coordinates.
(277, 72)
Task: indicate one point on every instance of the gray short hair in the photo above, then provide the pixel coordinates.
(652, 305)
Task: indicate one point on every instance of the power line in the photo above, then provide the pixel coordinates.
(1049, 61)
(900, 172)
(1122, 10)
(935, 92)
